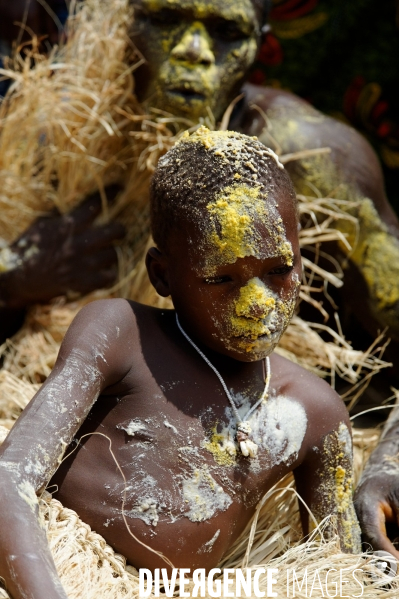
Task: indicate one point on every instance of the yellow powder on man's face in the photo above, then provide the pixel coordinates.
(286, 251)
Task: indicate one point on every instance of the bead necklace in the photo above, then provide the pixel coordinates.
(247, 446)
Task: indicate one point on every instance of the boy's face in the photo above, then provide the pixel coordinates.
(234, 278)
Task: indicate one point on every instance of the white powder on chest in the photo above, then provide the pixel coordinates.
(204, 496)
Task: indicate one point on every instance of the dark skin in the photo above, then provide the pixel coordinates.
(201, 37)
(198, 55)
(65, 247)
(122, 362)
(352, 160)
(377, 496)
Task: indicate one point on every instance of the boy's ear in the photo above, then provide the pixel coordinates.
(157, 269)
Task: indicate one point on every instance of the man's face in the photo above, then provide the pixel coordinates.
(238, 307)
(198, 53)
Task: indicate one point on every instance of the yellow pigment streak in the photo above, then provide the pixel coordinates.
(235, 211)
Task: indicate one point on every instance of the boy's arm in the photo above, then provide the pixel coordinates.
(324, 480)
(96, 353)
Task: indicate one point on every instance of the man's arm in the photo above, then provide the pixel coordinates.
(324, 480)
(377, 496)
(96, 353)
(56, 255)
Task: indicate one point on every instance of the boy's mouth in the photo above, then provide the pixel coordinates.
(270, 337)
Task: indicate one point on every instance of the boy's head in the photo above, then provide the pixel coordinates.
(224, 218)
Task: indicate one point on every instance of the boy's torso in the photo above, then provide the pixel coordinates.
(168, 422)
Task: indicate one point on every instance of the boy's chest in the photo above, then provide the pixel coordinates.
(181, 464)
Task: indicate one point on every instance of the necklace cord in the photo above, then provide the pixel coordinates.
(228, 394)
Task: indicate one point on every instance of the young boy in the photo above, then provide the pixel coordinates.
(191, 404)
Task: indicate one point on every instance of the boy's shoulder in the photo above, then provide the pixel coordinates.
(115, 319)
(112, 311)
(322, 404)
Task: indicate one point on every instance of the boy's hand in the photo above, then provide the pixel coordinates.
(61, 254)
(377, 503)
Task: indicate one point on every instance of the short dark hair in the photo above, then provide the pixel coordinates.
(190, 175)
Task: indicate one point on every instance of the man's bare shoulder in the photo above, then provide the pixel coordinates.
(290, 124)
(117, 322)
(104, 315)
(269, 97)
(278, 103)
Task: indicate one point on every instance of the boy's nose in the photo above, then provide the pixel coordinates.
(195, 46)
(258, 310)
(255, 300)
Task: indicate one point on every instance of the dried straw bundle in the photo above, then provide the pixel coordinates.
(89, 568)
(68, 105)
(83, 129)
(82, 125)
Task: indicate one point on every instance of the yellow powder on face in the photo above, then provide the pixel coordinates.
(254, 304)
(254, 301)
(234, 213)
(257, 309)
(286, 251)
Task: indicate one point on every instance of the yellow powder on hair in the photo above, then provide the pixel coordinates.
(207, 137)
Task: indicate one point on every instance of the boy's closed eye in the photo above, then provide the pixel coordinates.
(282, 270)
(218, 280)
